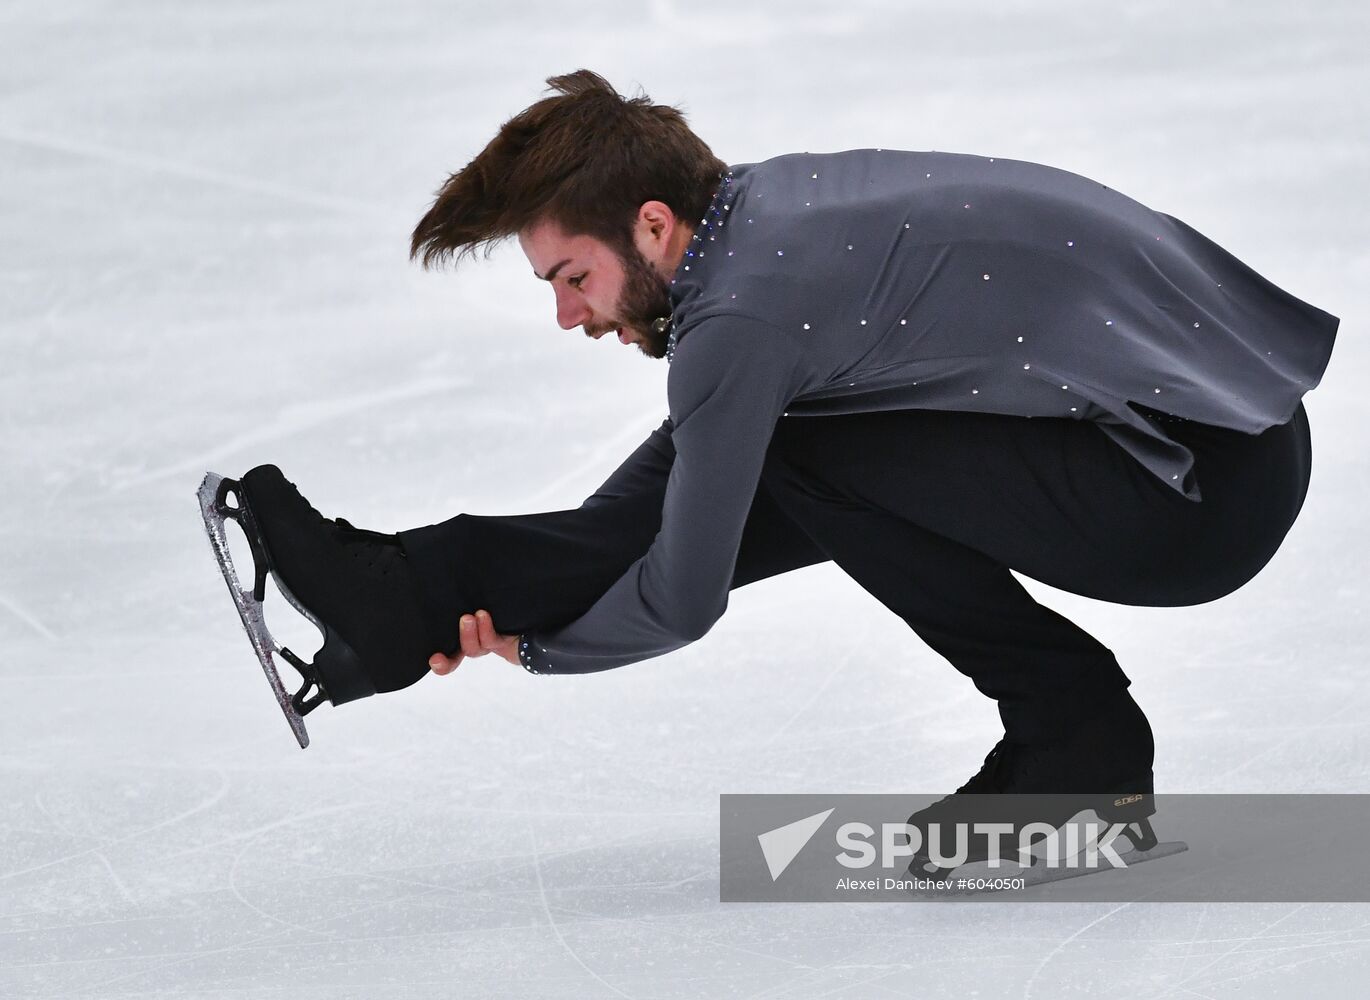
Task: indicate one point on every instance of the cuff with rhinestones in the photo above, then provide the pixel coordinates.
(526, 656)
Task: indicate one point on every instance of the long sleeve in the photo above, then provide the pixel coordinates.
(644, 471)
(730, 381)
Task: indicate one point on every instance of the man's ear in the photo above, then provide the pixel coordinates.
(655, 223)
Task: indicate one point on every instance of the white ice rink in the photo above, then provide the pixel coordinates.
(204, 215)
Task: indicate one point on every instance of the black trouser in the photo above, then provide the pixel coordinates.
(928, 511)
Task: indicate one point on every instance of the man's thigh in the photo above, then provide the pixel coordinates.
(1054, 499)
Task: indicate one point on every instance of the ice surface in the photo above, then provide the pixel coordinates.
(205, 211)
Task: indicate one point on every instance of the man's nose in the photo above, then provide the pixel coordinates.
(571, 309)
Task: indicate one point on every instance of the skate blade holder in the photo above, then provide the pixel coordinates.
(1144, 847)
(215, 507)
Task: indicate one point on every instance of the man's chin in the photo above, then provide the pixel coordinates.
(649, 342)
(652, 347)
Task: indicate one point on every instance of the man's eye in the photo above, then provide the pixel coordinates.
(575, 282)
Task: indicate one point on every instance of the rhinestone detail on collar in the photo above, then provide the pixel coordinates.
(715, 218)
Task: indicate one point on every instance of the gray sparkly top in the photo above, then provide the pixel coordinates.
(883, 279)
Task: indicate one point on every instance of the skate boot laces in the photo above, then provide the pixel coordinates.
(1004, 766)
(346, 530)
(378, 549)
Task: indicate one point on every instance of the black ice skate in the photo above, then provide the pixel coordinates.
(353, 585)
(1102, 768)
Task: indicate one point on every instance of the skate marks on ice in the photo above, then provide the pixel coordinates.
(294, 419)
(28, 619)
(193, 172)
(552, 920)
(213, 494)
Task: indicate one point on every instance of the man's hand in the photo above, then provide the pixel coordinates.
(478, 637)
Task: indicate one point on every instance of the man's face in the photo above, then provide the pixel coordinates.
(598, 289)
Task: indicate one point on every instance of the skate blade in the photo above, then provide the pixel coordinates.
(249, 608)
(1040, 874)
(1162, 850)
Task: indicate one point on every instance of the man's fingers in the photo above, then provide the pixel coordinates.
(503, 646)
(470, 637)
(478, 637)
(443, 665)
(485, 628)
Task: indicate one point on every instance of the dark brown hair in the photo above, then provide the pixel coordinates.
(586, 159)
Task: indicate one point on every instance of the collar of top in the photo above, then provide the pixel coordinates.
(715, 218)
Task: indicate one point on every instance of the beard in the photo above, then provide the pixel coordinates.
(646, 296)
